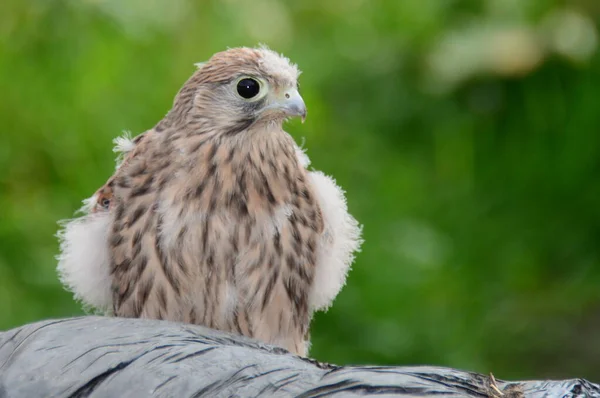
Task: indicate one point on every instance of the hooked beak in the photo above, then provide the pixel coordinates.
(291, 104)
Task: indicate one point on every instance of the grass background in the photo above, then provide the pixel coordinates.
(465, 133)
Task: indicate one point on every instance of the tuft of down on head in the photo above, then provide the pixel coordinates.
(227, 65)
(237, 88)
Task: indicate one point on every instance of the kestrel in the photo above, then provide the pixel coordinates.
(212, 217)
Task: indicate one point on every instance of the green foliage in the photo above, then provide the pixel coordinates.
(465, 133)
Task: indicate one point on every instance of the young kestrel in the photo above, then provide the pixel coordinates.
(212, 218)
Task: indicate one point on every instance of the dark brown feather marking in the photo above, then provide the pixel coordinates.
(205, 228)
(143, 189)
(200, 189)
(137, 238)
(141, 261)
(269, 288)
(116, 239)
(277, 243)
(136, 249)
(123, 182)
(239, 127)
(171, 278)
(162, 297)
(143, 292)
(119, 212)
(125, 291)
(122, 266)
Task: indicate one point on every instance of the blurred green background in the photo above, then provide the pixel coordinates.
(466, 134)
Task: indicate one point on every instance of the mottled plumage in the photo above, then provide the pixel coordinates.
(211, 216)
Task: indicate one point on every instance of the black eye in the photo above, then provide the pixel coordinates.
(248, 88)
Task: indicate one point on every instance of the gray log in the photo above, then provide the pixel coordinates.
(115, 357)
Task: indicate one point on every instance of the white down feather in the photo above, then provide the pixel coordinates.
(341, 239)
(83, 262)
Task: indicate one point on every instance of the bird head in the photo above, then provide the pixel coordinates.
(241, 87)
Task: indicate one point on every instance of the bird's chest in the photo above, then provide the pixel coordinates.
(262, 223)
(245, 224)
(245, 219)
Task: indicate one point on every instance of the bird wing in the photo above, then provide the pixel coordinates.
(341, 238)
(84, 260)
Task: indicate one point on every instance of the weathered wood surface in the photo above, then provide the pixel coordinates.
(112, 357)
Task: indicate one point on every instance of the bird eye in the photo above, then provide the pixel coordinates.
(248, 88)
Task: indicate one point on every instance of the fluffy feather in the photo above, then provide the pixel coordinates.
(302, 157)
(83, 265)
(278, 65)
(84, 260)
(124, 143)
(341, 239)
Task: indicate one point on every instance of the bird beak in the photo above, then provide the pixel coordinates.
(292, 104)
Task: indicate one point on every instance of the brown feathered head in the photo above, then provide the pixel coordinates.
(238, 88)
